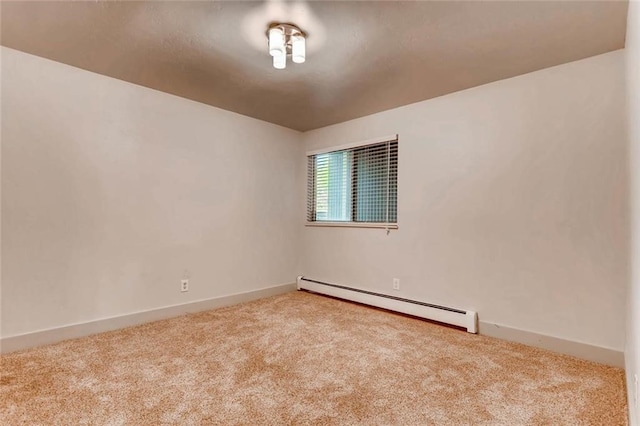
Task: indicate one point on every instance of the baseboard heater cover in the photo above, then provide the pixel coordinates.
(444, 314)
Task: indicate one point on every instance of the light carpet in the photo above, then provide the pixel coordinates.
(301, 358)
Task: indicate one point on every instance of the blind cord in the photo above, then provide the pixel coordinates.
(388, 182)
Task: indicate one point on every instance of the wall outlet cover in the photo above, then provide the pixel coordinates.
(396, 283)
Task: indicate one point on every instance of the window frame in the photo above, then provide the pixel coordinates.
(311, 197)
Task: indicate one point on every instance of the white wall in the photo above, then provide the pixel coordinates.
(512, 202)
(632, 349)
(1, 185)
(110, 191)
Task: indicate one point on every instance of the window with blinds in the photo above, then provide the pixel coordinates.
(357, 185)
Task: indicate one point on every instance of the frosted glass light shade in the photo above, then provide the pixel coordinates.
(276, 42)
(298, 49)
(280, 62)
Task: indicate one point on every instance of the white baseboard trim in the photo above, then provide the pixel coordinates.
(74, 331)
(586, 351)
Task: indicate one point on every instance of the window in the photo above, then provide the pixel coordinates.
(355, 186)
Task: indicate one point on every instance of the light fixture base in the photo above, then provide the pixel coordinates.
(288, 29)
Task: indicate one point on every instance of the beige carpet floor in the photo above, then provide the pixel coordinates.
(301, 358)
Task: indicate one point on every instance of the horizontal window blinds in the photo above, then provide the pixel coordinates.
(358, 184)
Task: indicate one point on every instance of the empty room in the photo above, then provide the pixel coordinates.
(320, 212)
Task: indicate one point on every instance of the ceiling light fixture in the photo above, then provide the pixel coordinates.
(286, 39)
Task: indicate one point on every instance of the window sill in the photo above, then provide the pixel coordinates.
(353, 225)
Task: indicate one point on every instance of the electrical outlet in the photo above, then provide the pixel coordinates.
(396, 283)
(184, 285)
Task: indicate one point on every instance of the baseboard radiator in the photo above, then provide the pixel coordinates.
(443, 314)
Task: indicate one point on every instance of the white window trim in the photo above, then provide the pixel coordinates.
(353, 225)
(353, 145)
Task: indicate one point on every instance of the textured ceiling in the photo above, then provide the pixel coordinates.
(362, 57)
